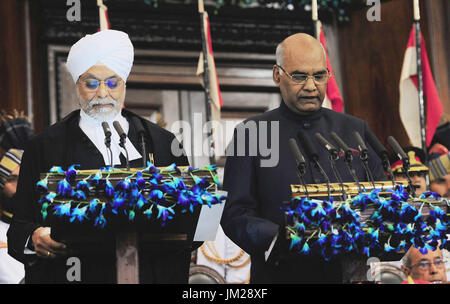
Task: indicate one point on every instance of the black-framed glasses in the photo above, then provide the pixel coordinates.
(92, 84)
(320, 78)
(426, 265)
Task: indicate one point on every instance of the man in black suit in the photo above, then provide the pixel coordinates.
(99, 64)
(259, 180)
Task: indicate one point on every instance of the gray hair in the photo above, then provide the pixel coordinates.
(406, 260)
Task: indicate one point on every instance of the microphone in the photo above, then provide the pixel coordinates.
(405, 160)
(382, 153)
(301, 163)
(123, 138)
(361, 146)
(108, 133)
(348, 157)
(334, 155)
(398, 149)
(314, 156)
(364, 155)
(331, 149)
(141, 133)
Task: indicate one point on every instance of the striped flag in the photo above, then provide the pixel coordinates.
(333, 99)
(103, 16)
(214, 89)
(409, 94)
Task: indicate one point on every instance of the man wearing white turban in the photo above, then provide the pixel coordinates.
(99, 65)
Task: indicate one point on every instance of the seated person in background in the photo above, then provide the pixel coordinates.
(424, 268)
(417, 171)
(11, 270)
(440, 175)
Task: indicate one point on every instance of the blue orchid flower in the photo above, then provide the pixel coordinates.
(156, 195)
(100, 221)
(140, 181)
(151, 168)
(388, 248)
(42, 185)
(408, 213)
(172, 168)
(62, 209)
(71, 172)
(148, 212)
(64, 188)
(428, 194)
(49, 197)
(141, 201)
(84, 186)
(164, 213)
(305, 249)
(78, 214)
(131, 215)
(93, 205)
(57, 169)
(109, 189)
(295, 240)
(79, 195)
(123, 185)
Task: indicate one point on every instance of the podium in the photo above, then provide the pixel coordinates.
(93, 211)
(375, 220)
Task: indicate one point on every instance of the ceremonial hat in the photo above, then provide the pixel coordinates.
(439, 167)
(417, 159)
(9, 162)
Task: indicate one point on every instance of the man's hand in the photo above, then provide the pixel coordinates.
(44, 246)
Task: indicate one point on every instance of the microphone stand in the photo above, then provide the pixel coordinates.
(348, 158)
(333, 157)
(364, 156)
(122, 144)
(405, 160)
(322, 172)
(301, 164)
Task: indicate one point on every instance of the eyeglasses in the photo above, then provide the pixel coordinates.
(425, 265)
(301, 78)
(93, 84)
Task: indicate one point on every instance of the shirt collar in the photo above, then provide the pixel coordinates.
(288, 113)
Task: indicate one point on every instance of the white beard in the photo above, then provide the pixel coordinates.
(101, 113)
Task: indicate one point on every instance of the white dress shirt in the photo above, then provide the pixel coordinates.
(94, 131)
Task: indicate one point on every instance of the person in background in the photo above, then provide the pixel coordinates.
(440, 175)
(417, 171)
(424, 268)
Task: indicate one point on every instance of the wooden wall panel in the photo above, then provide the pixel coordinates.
(371, 58)
(12, 56)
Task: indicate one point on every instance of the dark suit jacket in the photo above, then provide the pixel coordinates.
(252, 215)
(64, 144)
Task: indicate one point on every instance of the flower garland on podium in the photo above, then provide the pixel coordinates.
(333, 229)
(152, 192)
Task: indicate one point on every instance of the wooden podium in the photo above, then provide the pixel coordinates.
(127, 235)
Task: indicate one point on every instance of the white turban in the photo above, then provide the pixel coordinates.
(110, 47)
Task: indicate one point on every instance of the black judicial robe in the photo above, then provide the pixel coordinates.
(252, 215)
(64, 144)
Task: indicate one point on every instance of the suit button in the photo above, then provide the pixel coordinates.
(306, 125)
(316, 181)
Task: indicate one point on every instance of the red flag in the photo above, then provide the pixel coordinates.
(409, 94)
(333, 98)
(214, 89)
